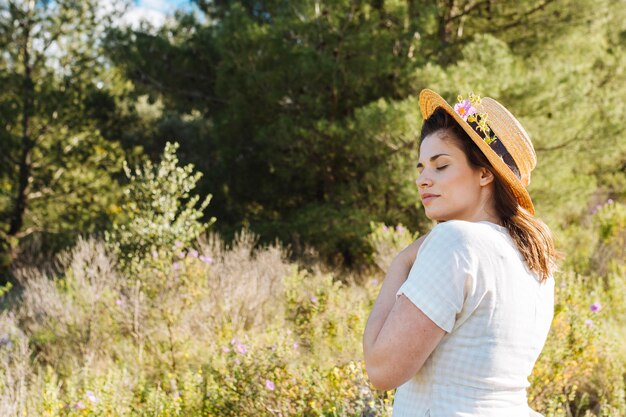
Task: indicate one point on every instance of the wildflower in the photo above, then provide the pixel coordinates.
(119, 302)
(399, 229)
(91, 396)
(589, 323)
(176, 266)
(5, 341)
(385, 228)
(181, 255)
(464, 108)
(155, 254)
(595, 307)
(314, 299)
(79, 406)
(241, 348)
(234, 340)
(193, 253)
(225, 349)
(609, 201)
(206, 259)
(178, 244)
(295, 345)
(374, 282)
(270, 385)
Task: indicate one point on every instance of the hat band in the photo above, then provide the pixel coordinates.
(498, 147)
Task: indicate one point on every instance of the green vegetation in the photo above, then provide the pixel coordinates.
(122, 296)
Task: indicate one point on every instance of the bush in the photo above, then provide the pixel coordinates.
(158, 210)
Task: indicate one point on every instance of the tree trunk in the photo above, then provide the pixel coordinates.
(27, 144)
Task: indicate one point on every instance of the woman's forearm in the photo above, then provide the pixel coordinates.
(396, 275)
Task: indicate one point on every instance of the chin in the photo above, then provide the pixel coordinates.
(434, 216)
(437, 217)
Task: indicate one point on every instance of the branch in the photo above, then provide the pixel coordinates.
(469, 7)
(517, 20)
(6, 156)
(559, 146)
(162, 87)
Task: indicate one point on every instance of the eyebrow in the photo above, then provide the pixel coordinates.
(432, 158)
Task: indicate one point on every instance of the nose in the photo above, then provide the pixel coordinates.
(423, 180)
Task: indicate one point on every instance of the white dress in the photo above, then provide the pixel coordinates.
(470, 280)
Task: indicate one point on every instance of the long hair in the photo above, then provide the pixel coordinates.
(531, 236)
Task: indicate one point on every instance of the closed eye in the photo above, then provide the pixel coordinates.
(441, 168)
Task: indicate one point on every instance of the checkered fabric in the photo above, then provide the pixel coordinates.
(470, 280)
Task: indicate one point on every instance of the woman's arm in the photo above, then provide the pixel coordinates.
(398, 337)
(396, 275)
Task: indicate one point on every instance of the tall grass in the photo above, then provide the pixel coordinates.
(212, 329)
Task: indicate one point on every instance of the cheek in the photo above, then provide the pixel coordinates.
(464, 181)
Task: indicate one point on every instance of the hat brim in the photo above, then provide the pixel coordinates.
(430, 101)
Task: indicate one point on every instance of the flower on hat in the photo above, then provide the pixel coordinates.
(466, 108)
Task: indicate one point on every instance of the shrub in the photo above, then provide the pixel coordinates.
(158, 209)
(387, 242)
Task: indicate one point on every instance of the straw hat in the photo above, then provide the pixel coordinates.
(509, 151)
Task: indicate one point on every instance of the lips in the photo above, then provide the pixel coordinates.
(427, 197)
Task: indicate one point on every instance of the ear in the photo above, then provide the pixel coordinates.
(486, 177)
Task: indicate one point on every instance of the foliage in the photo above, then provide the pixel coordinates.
(238, 330)
(56, 169)
(157, 212)
(388, 242)
(303, 119)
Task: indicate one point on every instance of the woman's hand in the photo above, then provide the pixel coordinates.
(407, 256)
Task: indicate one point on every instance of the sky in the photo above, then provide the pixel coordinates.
(155, 11)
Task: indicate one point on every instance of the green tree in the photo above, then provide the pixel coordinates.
(310, 113)
(56, 171)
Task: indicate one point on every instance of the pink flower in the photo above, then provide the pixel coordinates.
(399, 229)
(385, 228)
(241, 348)
(193, 253)
(206, 259)
(155, 254)
(589, 323)
(176, 266)
(595, 307)
(79, 406)
(374, 282)
(464, 109)
(295, 345)
(178, 244)
(119, 302)
(91, 396)
(314, 299)
(225, 349)
(270, 385)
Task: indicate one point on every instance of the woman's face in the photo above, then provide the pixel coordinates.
(449, 187)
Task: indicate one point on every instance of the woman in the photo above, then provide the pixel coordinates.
(465, 311)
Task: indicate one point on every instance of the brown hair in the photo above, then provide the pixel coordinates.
(531, 236)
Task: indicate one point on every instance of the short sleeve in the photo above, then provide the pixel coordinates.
(437, 281)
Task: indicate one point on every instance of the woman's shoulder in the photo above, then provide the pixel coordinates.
(459, 228)
(465, 233)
